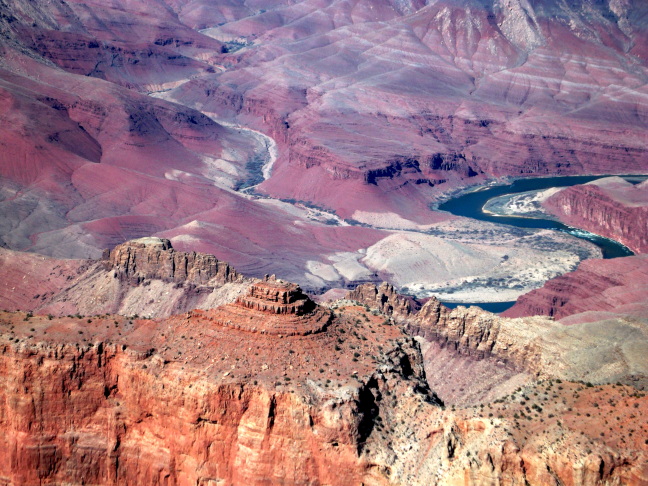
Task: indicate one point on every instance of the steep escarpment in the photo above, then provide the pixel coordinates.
(471, 92)
(608, 349)
(604, 349)
(421, 98)
(597, 289)
(385, 299)
(155, 258)
(112, 400)
(611, 207)
(146, 277)
(145, 47)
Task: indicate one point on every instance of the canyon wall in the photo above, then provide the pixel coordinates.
(385, 299)
(145, 277)
(189, 400)
(537, 344)
(597, 289)
(154, 258)
(147, 118)
(610, 207)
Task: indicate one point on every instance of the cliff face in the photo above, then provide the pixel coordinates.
(187, 400)
(596, 290)
(154, 258)
(535, 345)
(610, 207)
(97, 414)
(90, 160)
(190, 400)
(479, 334)
(385, 299)
(145, 277)
(467, 331)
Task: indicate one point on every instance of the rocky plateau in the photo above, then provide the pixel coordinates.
(141, 277)
(211, 145)
(272, 388)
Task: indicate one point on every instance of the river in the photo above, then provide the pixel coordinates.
(471, 204)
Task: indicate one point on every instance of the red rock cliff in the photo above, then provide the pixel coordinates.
(154, 258)
(609, 207)
(616, 287)
(187, 402)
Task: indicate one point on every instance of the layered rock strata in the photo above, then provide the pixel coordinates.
(385, 299)
(598, 289)
(469, 94)
(185, 401)
(603, 350)
(272, 307)
(155, 258)
(144, 276)
(277, 297)
(610, 207)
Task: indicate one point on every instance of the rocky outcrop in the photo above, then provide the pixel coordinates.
(181, 400)
(510, 350)
(385, 299)
(142, 277)
(539, 345)
(273, 307)
(155, 258)
(276, 297)
(88, 162)
(111, 400)
(596, 290)
(610, 207)
(474, 332)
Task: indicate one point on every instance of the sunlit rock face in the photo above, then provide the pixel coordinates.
(610, 207)
(367, 109)
(403, 100)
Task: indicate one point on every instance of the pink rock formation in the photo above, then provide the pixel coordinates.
(276, 297)
(273, 307)
(182, 400)
(461, 92)
(506, 352)
(610, 207)
(374, 108)
(154, 258)
(598, 288)
(385, 299)
(145, 276)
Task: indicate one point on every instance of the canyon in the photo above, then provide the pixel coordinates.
(272, 387)
(228, 128)
(222, 255)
